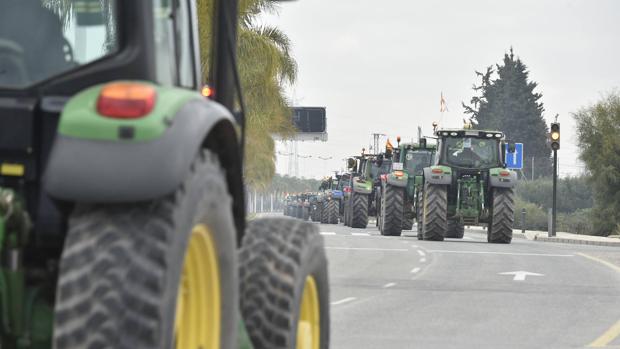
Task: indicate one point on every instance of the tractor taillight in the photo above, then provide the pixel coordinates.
(207, 91)
(126, 100)
(347, 189)
(399, 173)
(504, 173)
(437, 171)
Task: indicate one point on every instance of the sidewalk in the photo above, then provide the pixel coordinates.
(567, 238)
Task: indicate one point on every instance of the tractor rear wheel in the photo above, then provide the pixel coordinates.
(418, 213)
(157, 274)
(332, 211)
(408, 216)
(456, 229)
(435, 211)
(392, 211)
(324, 212)
(502, 216)
(284, 285)
(306, 213)
(359, 208)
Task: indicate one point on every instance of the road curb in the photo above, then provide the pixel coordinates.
(577, 241)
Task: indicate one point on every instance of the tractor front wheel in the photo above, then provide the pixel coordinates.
(284, 285)
(157, 274)
(392, 211)
(502, 216)
(434, 212)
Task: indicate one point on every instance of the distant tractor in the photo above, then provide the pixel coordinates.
(328, 202)
(400, 195)
(358, 195)
(468, 184)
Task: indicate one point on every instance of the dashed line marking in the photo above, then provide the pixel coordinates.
(368, 249)
(360, 234)
(389, 284)
(328, 233)
(415, 270)
(345, 300)
(423, 260)
(414, 246)
(504, 253)
(421, 253)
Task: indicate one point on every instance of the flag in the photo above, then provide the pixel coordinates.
(389, 146)
(442, 104)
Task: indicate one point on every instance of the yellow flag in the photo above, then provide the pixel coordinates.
(388, 145)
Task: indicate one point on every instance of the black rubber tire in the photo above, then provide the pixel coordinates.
(305, 213)
(418, 214)
(324, 213)
(121, 265)
(378, 205)
(332, 212)
(435, 211)
(392, 210)
(502, 216)
(347, 213)
(456, 229)
(359, 208)
(408, 216)
(315, 213)
(276, 257)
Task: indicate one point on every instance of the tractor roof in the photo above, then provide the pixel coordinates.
(416, 146)
(459, 133)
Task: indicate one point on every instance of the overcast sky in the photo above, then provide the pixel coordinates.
(380, 66)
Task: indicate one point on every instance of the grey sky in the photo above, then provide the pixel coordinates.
(379, 66)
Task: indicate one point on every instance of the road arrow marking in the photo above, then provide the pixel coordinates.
(421, 253)
(520, 275)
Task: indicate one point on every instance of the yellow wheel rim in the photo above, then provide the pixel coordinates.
(197, 322)
(308, 328)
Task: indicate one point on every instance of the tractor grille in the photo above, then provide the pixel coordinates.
(470, 220)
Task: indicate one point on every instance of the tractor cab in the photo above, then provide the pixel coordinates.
(470, 149)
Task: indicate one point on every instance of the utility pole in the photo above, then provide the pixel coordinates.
(554, 135)
(532, 168)
(375, 145)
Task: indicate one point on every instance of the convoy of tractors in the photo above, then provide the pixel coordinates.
(440, 184)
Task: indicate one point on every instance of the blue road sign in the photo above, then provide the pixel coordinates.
(515, 160)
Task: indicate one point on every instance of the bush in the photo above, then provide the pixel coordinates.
(574, 193)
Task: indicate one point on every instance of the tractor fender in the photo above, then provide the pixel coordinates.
(397, 181)
(363, 187)
(498, 181)
(115, 171)
(438, 178)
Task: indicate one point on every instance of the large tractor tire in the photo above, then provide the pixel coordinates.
(408, 216)
(299, 212)
(418, 214)
(324, 212)
(502, 216)
(378, 204)
(435, 212)
(157, 274)
(315, 214)
(306, 213)
(359, 210)
(456, 229)
(284, 285)
(392, 211)
(332, 212)
(347, 213)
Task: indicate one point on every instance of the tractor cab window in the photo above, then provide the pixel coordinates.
(386, 167)
(417, 160)
(40, 39)
(471, 152)
(344, 181)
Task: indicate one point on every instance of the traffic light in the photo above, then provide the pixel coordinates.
(554, 135)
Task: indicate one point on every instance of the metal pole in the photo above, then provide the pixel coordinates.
(532, 168)
(555, 183)
(523, 220)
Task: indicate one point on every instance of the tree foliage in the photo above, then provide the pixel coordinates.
(573, 193)
(598, 127)
(265, 66)
(506, 101)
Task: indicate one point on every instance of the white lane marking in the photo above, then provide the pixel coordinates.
(503, 253)
(328, 233)
(421, 253)
(423, 260)
(389, 284)
(520, 275)
(415, 270)
(414, 246)
(342, 301)
(360, 234)
(367, 249)
(467, 238)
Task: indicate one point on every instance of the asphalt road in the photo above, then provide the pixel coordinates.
(398, 292)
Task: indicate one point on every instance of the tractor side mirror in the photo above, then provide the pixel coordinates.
(351, 163)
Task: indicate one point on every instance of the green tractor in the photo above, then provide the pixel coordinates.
(400, 191)
(122, 211)
(357, 197)
(468, 184)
